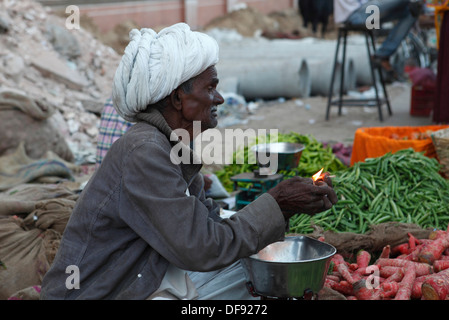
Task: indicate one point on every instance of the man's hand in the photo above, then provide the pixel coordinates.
(302, 195)
(207, 182)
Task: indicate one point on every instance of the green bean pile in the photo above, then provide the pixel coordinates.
(314, 157)
(405, 187)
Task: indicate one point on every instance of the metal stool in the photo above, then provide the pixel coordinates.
(370, 46)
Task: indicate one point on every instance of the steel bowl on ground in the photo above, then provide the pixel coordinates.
(289, 268)
(285, 154)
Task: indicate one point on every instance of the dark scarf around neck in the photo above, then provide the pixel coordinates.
(189, 161)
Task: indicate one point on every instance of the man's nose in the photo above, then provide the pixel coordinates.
(219, 98)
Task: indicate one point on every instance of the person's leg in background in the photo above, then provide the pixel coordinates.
(399, 11)
(389, 11)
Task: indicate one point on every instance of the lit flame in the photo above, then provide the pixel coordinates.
(317, 175)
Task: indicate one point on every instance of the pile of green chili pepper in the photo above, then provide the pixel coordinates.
(405, 187)
(314, 157)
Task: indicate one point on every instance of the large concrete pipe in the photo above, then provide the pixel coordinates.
(278, 48)
(306, 48)
(350, 75)
(357, 51)
(320, 76)
(268, 78)
(228, 83)
(320, 73)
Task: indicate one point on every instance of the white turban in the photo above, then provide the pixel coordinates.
(154, 64)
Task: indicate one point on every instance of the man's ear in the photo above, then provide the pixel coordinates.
(176, 99)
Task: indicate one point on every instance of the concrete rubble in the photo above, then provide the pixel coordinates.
(66, 72)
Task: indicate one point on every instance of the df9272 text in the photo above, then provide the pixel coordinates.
(246, 309)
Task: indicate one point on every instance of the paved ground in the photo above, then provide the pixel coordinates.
(308, 116)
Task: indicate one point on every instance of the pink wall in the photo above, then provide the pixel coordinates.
(270, 6)
(149, 14)
(207, 10)
(162, 13)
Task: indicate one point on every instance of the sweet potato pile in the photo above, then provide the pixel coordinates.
(416, 269)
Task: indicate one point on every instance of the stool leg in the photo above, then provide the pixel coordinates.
(373, 75)
(342, 81)
(331, 88)
(382, 81)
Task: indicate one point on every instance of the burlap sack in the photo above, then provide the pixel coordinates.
(23, 198)
(29, 245)
(17, 168)
(50, 214)
(26, 255)
(380, 235)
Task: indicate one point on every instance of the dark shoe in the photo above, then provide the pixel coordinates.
(386, 68)
(383, 63)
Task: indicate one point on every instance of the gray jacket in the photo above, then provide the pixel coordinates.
(134, 218)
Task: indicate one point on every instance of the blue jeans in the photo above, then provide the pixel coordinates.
(389, 10)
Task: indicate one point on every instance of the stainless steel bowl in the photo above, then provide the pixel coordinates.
(285, 154)
(290, 268)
